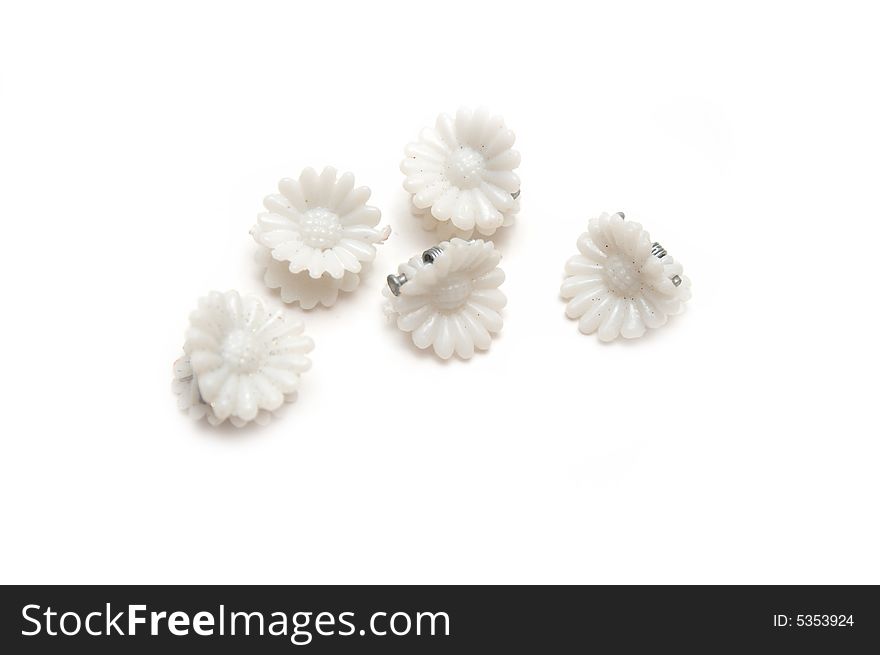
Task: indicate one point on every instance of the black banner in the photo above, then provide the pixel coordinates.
(450, 619)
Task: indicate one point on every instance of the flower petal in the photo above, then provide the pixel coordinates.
(412, 320)
(593, 316)
(427, 196)
(576, 285)
(580, 265)
(341, 189)
(491, 298)
(291, 362)
(500, 199)
(444, 206)
(200, 338)
(278, 204)
(487, 216)
(300, 259)
(295, 344)
(233, 305)
(490, 280)
(423, 336)
(432, 139)
(349, 282)
(444, 341)
(254, 313)
(584, 301)
(362, 216)
(650, 316)
(478, 333)
(633, 325)
(463, 125)
(505, 180)
(349, 261)
(363, 233)
(211, 382)
(286, 380)
(333, 265)
(417, 180)
(464, 343)
(246, 406)
(611, 324)
(446, 131)
(311, 187)
(590, 250)
(292, 190)
(596, 228)
(426, 152)
(204, 361)
(327, 183)
(316, 263)
(271, 397)
(365, 252)
(478, 125)
(505, 161)
(355, 199)
(465, 208)
(287, 250)
(489, 318)
(224, 402)
(502, 141)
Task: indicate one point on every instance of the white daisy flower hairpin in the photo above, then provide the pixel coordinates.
(240, 362)
(461, 174)
(622, 283)
(448, 298)
(317, 236)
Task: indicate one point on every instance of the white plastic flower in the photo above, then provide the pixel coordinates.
(240, 362)
(449, 297)
(462, 170)
(621, 283)
(301, 288)
(321, 227)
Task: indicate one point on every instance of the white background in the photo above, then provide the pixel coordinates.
(736, 444)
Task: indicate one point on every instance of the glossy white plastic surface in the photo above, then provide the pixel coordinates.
(461, 171)
(445, 230)
(300, 287)
(616, 286)
(240, 362)
(321, 233)
(452, 305)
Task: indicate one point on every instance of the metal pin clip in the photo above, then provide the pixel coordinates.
(397, 281)
(660, 252)
(431, 254)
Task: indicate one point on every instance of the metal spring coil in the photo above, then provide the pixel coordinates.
(658, 251)
(431, 254)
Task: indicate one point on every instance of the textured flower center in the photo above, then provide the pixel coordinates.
(453, 293)
(244, 352)
(320, 228)
(622, 275)
(464, 168)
